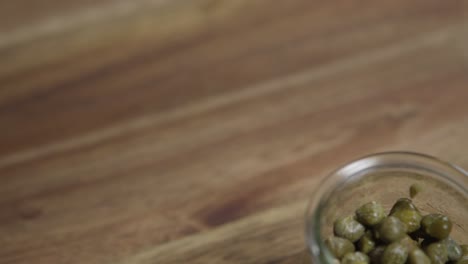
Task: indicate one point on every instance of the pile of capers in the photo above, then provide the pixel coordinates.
(402, 236)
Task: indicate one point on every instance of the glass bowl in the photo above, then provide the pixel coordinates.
(386, 177)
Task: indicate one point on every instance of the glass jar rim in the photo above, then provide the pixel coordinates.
(317, 204)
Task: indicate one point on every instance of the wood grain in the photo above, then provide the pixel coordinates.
(195, 131)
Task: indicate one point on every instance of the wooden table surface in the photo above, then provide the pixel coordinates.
(157, 131)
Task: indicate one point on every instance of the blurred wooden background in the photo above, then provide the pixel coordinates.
(175, 131)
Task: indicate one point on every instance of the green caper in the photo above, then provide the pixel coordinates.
(437, 252)
(370, 213)
(405, 210)
(417, 256)
(415, 189)
(366, 243)
(390, 229)
(395, 253)
(436, 225)
(410, 218)
(402, 237)
(376, 254)
(408, 242)
(454, 251)
(339, 246)
(403, 204)
(349, 228)
(355, 258)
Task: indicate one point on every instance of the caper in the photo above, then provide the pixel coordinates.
(417, 256)
(370, 213)
(339, 246)
(403, 204)
(415, 189)
(355, 258)
(405, 210)
(366, 243)
(454, 251)
(395, 253)
(405, 236)
(391, 229)
(410, 218)
(408, 242)
(437, 253)
(349, 228)
(436, 225)
(376, 255)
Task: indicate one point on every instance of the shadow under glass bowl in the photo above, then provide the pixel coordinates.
(386, 177)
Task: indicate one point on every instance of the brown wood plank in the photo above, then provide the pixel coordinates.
(162, 76)
(195, 131)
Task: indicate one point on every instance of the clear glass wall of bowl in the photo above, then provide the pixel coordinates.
(386, 177)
